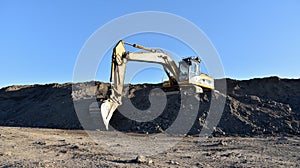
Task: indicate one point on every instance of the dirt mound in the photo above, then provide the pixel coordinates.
(253, 107)
(49, 106)
(268, 105)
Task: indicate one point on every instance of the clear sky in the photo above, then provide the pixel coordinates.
(40, 40)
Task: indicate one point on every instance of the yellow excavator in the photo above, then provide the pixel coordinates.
(185, 74)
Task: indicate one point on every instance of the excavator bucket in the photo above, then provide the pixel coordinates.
(107, 109)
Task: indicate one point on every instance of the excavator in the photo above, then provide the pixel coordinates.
(184, 74)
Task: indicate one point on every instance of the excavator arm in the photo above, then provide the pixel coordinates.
(118, 67)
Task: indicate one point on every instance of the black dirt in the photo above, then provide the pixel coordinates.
(267, 106)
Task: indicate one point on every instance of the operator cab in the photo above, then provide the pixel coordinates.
(190, 74)
(189, 67)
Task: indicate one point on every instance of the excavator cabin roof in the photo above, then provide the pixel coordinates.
(189, 60)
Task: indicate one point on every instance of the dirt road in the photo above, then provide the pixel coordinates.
(32, 147)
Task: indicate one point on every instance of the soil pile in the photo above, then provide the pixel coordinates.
(268, 106)
(253, 107)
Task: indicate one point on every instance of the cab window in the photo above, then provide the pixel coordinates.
(194, 69)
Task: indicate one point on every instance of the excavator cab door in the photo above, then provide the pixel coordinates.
(194, 69)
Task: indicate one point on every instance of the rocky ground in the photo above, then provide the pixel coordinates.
(257, 114)
(31, 147)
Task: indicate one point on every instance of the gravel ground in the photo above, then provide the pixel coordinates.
(32, 147)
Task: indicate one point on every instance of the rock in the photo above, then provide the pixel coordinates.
(74, 147)
(223, 143)
(141, 159)
(8, 153)
(63, 151)
(150, 161)
(39, 143)
(199, 164)
(173, 162)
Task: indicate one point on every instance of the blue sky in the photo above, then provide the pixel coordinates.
(40, 40)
